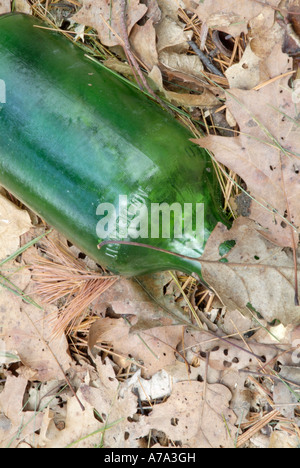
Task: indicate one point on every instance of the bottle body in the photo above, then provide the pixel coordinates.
(97, 159)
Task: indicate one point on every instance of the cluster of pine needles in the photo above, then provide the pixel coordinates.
(62, 279)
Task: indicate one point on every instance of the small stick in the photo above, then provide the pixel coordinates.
(210, 66)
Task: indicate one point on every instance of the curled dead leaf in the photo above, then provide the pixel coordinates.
(189, 64)
(207, 99)
(143, 40)
(171, 32)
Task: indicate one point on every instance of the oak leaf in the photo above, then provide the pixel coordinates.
(265, 154)
(16, 424)
(195, 414)
(256, 276)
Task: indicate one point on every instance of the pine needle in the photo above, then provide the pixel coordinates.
(61, 278)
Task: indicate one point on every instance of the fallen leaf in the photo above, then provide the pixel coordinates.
(252, 268)
(113, 403)
(153, 12)
(263, 44)
(196, 415)
(143, 41)
(246, 73)
(22, 6)
(170, 30)
(13, 223)
(154, 348)
(268, 126)
(144, 299)
(207, 99)
(231, 354)
(16, 424)
(282, 439)
(5, 6)
(113, 63)
(27, 332)
(106, 18)
(189, 64)
(233, 16)
(79, 427)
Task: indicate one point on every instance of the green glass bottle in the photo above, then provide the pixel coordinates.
(96, 158)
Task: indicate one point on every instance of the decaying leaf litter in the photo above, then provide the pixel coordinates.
(104, 361)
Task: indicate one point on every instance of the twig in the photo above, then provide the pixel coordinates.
(207, 63)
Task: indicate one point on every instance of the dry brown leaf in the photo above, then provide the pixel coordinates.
(22, 6)
(233, 16)
(171, 36)
(207, 99)
(13, 223)
(188, 64)
(195, 414)
(263, 43)
(79, 427)
(153, 12)
(143, 40)
(280, 439)
(268, 123)
(28, 333)
(170, 30)
(115, 403)
(143, 298)
(113, 63)
(246, 73)
(106, 18)
(154, 348)
(254, 265)
(252, 69)
(16, 424)
(5, 6)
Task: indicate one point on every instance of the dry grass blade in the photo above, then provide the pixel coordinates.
(61, 277)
